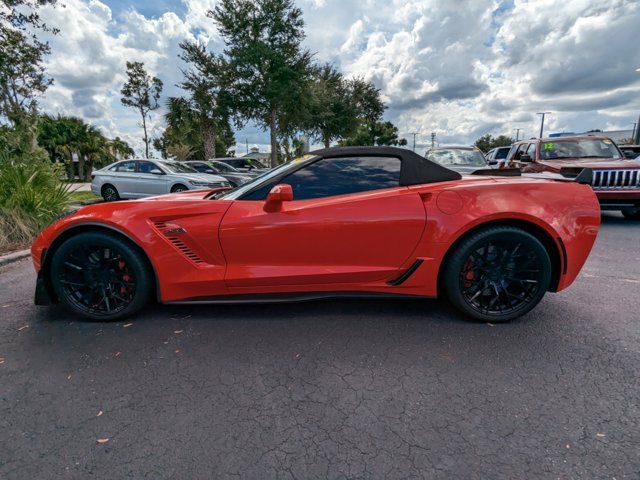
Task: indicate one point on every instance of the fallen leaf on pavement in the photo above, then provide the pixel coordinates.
(69, 377)
(178, 351)
(99, 414)
(600, 435)
(22, 328)
(118, 354)
(126, 325)
(490, 324)
(1, 361)
(103, 440)
(178, 331)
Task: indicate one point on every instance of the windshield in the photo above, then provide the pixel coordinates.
(223, 167)
(587, 148)
(457, 157)
(177, 167)
(245, 187)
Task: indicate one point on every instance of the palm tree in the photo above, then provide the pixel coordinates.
(180, 151)
(120, 149)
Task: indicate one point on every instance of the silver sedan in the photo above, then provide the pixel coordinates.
(145, 178)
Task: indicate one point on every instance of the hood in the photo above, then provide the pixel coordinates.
(594, 163)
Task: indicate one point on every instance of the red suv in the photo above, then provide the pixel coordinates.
(616, 180)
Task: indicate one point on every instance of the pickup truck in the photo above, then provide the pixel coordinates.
(616, 179)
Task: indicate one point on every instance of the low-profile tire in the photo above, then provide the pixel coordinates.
(497, 274)
(100, 276)
(178, 188)
(109, 193)
(631, 213)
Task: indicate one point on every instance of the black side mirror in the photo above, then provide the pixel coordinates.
(492, 162)
(525, 157)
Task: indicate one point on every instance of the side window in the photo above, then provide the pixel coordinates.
(146, 167)
(531, 150)
(128, 167)
(339, 176)
(520, 149)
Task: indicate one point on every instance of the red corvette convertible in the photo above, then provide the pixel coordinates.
(375, 221)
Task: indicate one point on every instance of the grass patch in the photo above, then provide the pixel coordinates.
(79, 197)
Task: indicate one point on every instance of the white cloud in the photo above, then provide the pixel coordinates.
(460, 69)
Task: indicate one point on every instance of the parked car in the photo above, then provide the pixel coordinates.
(616, 180)
(225, 168)
(460, 159)
(497, 155)
(145, 178)
(214, 168)
(630, 151)
(363, 221)
(245, 164)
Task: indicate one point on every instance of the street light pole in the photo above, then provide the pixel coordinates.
(518, 134)
(636, 140)
(542, 121)
(414, 140)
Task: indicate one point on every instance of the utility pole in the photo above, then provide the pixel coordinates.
(633, 132)
(246, 142)
(518, 134)
(433, 139)
(542, 121)
(414, 140)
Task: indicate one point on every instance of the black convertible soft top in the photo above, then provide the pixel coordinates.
(414, 169)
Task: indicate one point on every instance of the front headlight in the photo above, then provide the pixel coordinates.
(197, 183)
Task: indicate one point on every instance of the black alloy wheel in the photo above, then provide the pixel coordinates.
(110, 194)
(498, 274)
(100, 276)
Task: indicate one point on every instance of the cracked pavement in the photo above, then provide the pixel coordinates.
(329, 389)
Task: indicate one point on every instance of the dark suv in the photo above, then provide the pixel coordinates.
(616, 180)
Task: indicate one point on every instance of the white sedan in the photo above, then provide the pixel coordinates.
(145, 178)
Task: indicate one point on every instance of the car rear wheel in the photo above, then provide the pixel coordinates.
(631, 213)
(110, 193)
(178, 188)
(100, 276)
(497, 274)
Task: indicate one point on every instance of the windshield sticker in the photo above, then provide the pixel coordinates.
(607, 141)
(549, 145)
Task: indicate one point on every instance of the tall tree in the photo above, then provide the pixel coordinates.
(22, 73)
(141, 92)
(332, 112)
(120, 148)
(369, 105)
(487, 142)
(208, 98)
(269, 67)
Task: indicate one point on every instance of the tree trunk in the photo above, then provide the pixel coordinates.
(274, 139)
(146, 138)
(208, 142)
(80, 166)
(326, 139)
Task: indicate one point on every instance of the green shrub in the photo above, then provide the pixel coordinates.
(32, 195)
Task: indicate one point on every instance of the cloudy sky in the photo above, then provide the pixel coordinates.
(458, 68)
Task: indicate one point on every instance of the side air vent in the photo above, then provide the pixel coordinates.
(169, 231)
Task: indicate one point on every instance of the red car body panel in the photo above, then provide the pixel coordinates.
(201, 248)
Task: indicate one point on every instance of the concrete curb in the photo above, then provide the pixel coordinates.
(14, 257)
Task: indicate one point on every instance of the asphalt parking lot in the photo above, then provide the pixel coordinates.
(334, 389)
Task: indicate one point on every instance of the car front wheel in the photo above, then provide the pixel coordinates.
(100, 276)
(497, 274)
(631, 213)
